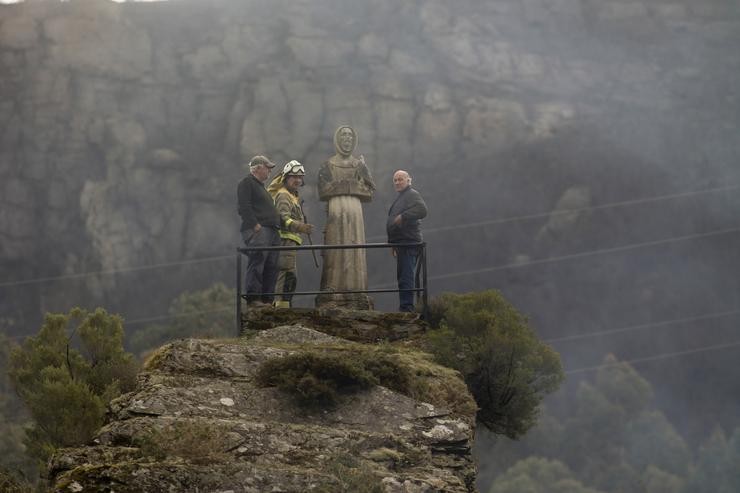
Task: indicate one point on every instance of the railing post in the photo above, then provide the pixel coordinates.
(425, 293)
(238, 292)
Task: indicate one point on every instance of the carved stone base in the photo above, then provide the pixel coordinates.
(351, 301)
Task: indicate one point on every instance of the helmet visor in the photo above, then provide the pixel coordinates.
(294, 168)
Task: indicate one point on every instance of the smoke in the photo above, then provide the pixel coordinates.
(572, 154)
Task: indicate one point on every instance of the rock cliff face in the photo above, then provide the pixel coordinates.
(199, 421)
(125, 126)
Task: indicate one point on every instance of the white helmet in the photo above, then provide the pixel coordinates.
(294, 168)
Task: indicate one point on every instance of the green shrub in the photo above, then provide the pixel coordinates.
(13, 418)
(66, 389)
(352, 475)
(197, 442)
(315, 378)
(319, 378)
(507, 369)
(10, 484)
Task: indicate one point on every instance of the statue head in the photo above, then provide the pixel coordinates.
(345, 140)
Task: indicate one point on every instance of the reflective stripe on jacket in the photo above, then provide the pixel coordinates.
(289, 207)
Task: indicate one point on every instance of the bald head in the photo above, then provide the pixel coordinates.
(401, 180)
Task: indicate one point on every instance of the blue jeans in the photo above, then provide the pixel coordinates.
(262, 268)
(405, 270)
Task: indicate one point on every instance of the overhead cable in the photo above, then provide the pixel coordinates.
(379, 237)
(662, 323)
(656, 357)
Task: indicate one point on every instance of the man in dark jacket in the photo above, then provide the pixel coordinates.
(403, 226)
(260, 227)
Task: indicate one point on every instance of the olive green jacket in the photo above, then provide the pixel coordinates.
(288, 206)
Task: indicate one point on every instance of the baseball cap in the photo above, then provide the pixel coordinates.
(257, 160)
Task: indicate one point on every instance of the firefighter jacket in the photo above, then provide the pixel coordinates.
(288, 206)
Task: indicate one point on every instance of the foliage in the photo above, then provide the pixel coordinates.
(650, 440)
(205, 313)
(66, 389)
(351, 475)
(718, 465)
(612, 439)
(13, 459)
(10, 484)
(507, 369)
(198, 442)
(404, 369)
(315, 378)
(659, 481)
(539, 475)
(615, 433)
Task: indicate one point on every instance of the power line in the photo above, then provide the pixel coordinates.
(697, 318)
(543, 215)
(590, 253)
(115, 271)
(656, 357)
(431, 230)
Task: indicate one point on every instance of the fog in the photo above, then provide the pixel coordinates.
(579, 156)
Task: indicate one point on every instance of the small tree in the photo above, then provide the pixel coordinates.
(507, 369)
(717, 465)
(66, 389)
(13, 459)
(539, 475)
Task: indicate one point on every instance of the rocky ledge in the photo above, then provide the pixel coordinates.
(200, 420)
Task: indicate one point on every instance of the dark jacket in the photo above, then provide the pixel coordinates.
(256, 205)
(412, 209)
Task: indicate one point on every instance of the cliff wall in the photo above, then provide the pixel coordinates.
(125, 126)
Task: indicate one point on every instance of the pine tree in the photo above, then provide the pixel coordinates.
(66, 378)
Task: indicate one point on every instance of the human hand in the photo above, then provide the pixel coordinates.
(393, 252)
(304, 228)
(397, 220)
(257, 227)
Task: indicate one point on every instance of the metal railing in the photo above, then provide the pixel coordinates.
(420, 275)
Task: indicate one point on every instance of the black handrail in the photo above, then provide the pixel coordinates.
(421, 270)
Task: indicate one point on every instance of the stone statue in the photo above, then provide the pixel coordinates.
(344, 183)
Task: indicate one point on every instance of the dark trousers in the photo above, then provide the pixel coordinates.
(262, 268)
(405, 269)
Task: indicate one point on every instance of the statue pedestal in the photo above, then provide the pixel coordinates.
(353, 301)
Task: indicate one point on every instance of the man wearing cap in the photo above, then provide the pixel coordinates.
(284, 188)
(260, 224)
(403, 226)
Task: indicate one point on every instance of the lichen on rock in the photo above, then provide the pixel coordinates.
(200, 420)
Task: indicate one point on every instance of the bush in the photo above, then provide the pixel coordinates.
(314, 378)
(319, 378)
(13, 418)
(350, 475)
(200, 443)
(507, 369)
(10, 484)
(65, 389)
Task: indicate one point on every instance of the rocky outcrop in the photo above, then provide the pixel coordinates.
(354, 325)
(199, 421)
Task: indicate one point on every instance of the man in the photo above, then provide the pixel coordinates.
(403, 226)
(260, 223)
(288, 204)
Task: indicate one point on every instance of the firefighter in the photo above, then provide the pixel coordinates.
(284, 188)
